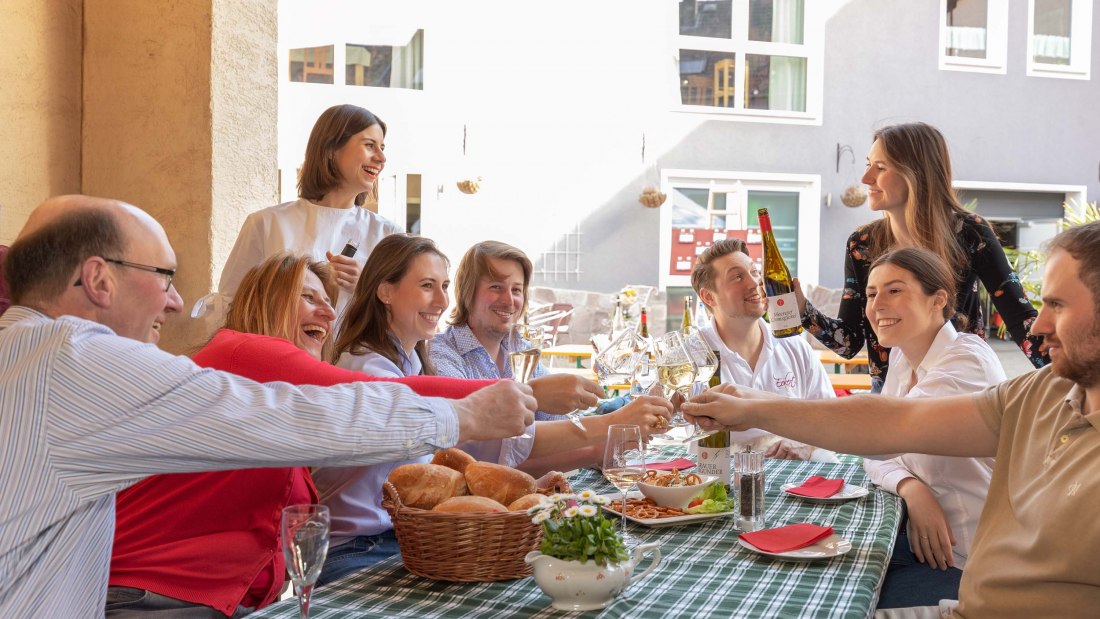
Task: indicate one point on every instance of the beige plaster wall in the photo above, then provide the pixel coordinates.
(40, 83)
(179, 119)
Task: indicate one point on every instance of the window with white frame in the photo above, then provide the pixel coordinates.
(973, 35)
(707, 206)
(760, 59)
(1059, 36)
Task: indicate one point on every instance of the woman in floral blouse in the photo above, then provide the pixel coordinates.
(909, 180)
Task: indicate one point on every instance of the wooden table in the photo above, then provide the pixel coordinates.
(841, 364)
(850, 381)
(576, 352)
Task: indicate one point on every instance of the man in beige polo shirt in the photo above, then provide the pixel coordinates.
(1034, 554)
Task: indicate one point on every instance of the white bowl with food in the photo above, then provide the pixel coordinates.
(674, 489)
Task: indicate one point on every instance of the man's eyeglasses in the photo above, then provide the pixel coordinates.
(168, 274)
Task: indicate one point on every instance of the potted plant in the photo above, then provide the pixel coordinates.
(582, 563)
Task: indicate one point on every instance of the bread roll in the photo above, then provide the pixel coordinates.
(500, 483)
(426, 485)
(469, 504)
(526, 501)
(453, 458)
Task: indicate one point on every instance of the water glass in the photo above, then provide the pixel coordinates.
(748, 477)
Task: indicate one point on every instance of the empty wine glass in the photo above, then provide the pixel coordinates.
(304, 531)
(624, 464)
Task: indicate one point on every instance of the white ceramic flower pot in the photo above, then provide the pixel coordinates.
(573, 585)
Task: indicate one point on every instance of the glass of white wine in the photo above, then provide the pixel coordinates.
(706, 364)
(676, 372)
(523, 364)
(624, 464)
(304, 538)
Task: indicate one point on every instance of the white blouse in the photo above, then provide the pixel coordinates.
(955, 364)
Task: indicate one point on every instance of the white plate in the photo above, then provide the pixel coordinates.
(847, 493)
(832, 546)
(617, 502)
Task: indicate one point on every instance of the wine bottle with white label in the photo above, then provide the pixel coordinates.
(713, 452)
(778, 284)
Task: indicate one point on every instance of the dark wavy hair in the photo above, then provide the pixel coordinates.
(332, 130)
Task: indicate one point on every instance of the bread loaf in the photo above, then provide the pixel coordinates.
(526, 501)
(426, 485)
(500, 483)
(469, 504)
(453, 458)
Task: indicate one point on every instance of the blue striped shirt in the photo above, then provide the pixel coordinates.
(85, 413)
(457, 353)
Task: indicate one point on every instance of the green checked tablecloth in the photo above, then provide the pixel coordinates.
(703, 571)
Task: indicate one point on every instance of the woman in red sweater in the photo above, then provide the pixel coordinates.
(209, 542)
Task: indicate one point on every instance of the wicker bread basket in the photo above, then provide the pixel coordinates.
(462, 547)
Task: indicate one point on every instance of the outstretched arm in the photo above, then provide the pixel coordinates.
(866, 424)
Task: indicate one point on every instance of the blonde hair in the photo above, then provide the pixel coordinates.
(266, 302)
(475, 265)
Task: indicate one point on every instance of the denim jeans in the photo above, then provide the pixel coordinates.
(909, 582)
(128, 602)
(360, 553)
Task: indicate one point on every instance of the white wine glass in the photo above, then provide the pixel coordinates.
(523, 364)
(675, 372)
(706, 364)
(624, 464)
(304, 538)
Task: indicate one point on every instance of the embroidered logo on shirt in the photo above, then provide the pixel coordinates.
(785, 382)
(1073, 488)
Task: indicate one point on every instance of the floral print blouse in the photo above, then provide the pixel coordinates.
(847, 333)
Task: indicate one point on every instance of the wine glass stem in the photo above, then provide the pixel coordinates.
(305, 592)
(622, 520)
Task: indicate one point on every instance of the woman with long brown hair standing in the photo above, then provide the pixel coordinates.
(909, 180)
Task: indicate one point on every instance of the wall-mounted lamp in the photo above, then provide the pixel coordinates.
(841, 149)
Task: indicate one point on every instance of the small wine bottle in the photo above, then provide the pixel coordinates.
(714, 450)
(686, 325)
(643, 325)
(778, 284)
(618, 321)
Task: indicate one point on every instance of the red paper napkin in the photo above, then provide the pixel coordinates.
(681, 464)
(818, 487)
(790, 537)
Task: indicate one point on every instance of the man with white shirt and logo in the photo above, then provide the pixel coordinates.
(729, 285)
(1034, 552)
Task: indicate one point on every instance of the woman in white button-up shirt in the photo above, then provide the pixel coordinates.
(910, 299)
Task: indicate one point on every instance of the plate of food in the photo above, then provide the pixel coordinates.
(846, 493)
(832, 546)
(646, 512)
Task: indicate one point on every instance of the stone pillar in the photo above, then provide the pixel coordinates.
(180, 117)
(39, 106)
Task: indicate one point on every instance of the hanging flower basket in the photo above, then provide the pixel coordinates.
(651, 197)
(469, 186)
(854, 196)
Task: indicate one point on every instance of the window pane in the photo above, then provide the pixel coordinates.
(967, 24)
(776, 83)
(783, 209)
(1052, 31)
(777, 21)
(689, 207)
(706, 18)
(311, 64)
(706, 78)
(387, 66)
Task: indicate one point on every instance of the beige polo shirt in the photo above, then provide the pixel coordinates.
(1037, 549)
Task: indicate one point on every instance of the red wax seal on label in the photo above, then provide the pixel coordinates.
(704, 455)
(779, 302)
